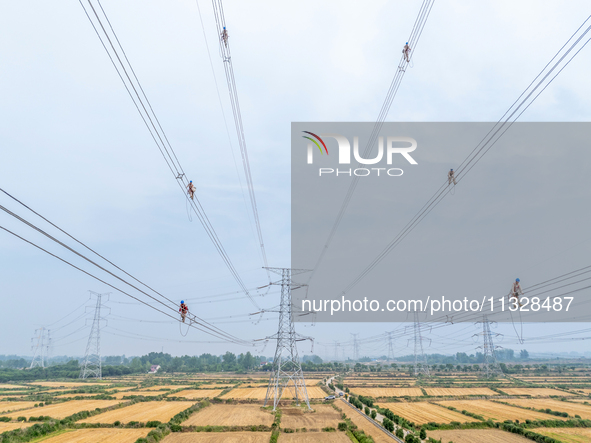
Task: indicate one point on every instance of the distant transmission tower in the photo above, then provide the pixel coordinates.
(390, 346)
(355, 347)
(92, 366)
(40, 347)
(336, 351)
(420, 366)
(286, 364)
(490, 367)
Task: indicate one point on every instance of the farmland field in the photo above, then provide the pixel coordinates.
(259, 393)
(567, 435)
(535, 392)
(120, 395)
(477, 435)
(66, 384)
(63, 410)
(457, 392)
(314, 437)
(296, 418)
(4, 427)
(164, 387)
(556, 405)
(388, 392)
(142, 412)
(423, 412)
(192, 394)
(363, 424)
(231, 415)
(496, 411)
(99, 436)
(218, 437)
(7, 406)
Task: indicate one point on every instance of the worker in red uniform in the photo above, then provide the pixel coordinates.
(191, 189)
(184, 309)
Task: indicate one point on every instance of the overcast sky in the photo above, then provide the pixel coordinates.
(74, 148)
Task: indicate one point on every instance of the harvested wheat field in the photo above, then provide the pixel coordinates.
(167, 387)
(65, 409)
(9, 386)
(458, 392)
(423, 412)
(556, 405)
(219, 437)
(5, 427)
(260, 393)
(496, 411)
(535, 392)
(567, 435)
(7, 406)
(66, 384)
(231, 415)
(214, 386)
(315, 437)
(388, 392)
(296, 418)
(363, 424)
(192, 394)
(143, 412)
(476, 435)
(99, 436)
(120, 395)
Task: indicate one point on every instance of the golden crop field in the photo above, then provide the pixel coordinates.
(4, 427)
(377, 434)
(218, 437)
(496, 411)
(315, 437)
(567, 435)
(423, 412)
(193, 394)
(66, 384)
(477, 435)
(7, 406)
(120, 395)
(65, 409)
(535, 392)
(164, 387)
(322, 417)
(99, 436)
(387, 392)
(231, 415)
(556, 405)
(458, 392)
(260, 393)
(9, 386)
(216, 386)
(142, 412)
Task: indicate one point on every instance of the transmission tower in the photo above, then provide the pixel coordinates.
(390, 346)
(420, 366)
(490, 367)
(355, 347)
(92, 366)
(40, 347)
(286, 364)
(336, 351)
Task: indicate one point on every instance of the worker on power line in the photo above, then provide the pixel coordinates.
(184, 309)
(406, 52)
(451, 177)
(516, 291)
(224, 36)
(191, 189)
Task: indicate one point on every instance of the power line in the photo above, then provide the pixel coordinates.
(489, 140)
(220, 22)
(413, 40)
(126, 73)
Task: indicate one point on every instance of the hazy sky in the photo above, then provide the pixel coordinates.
(74, 148)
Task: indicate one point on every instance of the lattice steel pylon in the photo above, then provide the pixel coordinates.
(420, 365)
(490, 367)
(355, 346)
(390, 346)
(92, 366)
(40, 347)
(286, 364)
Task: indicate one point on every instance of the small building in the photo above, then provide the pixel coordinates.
(154, 369)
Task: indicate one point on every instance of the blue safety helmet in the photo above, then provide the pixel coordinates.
(190, 181)
(451, 169)
(182, 302)
(224, 27)
(407, 43)
(517, 280)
